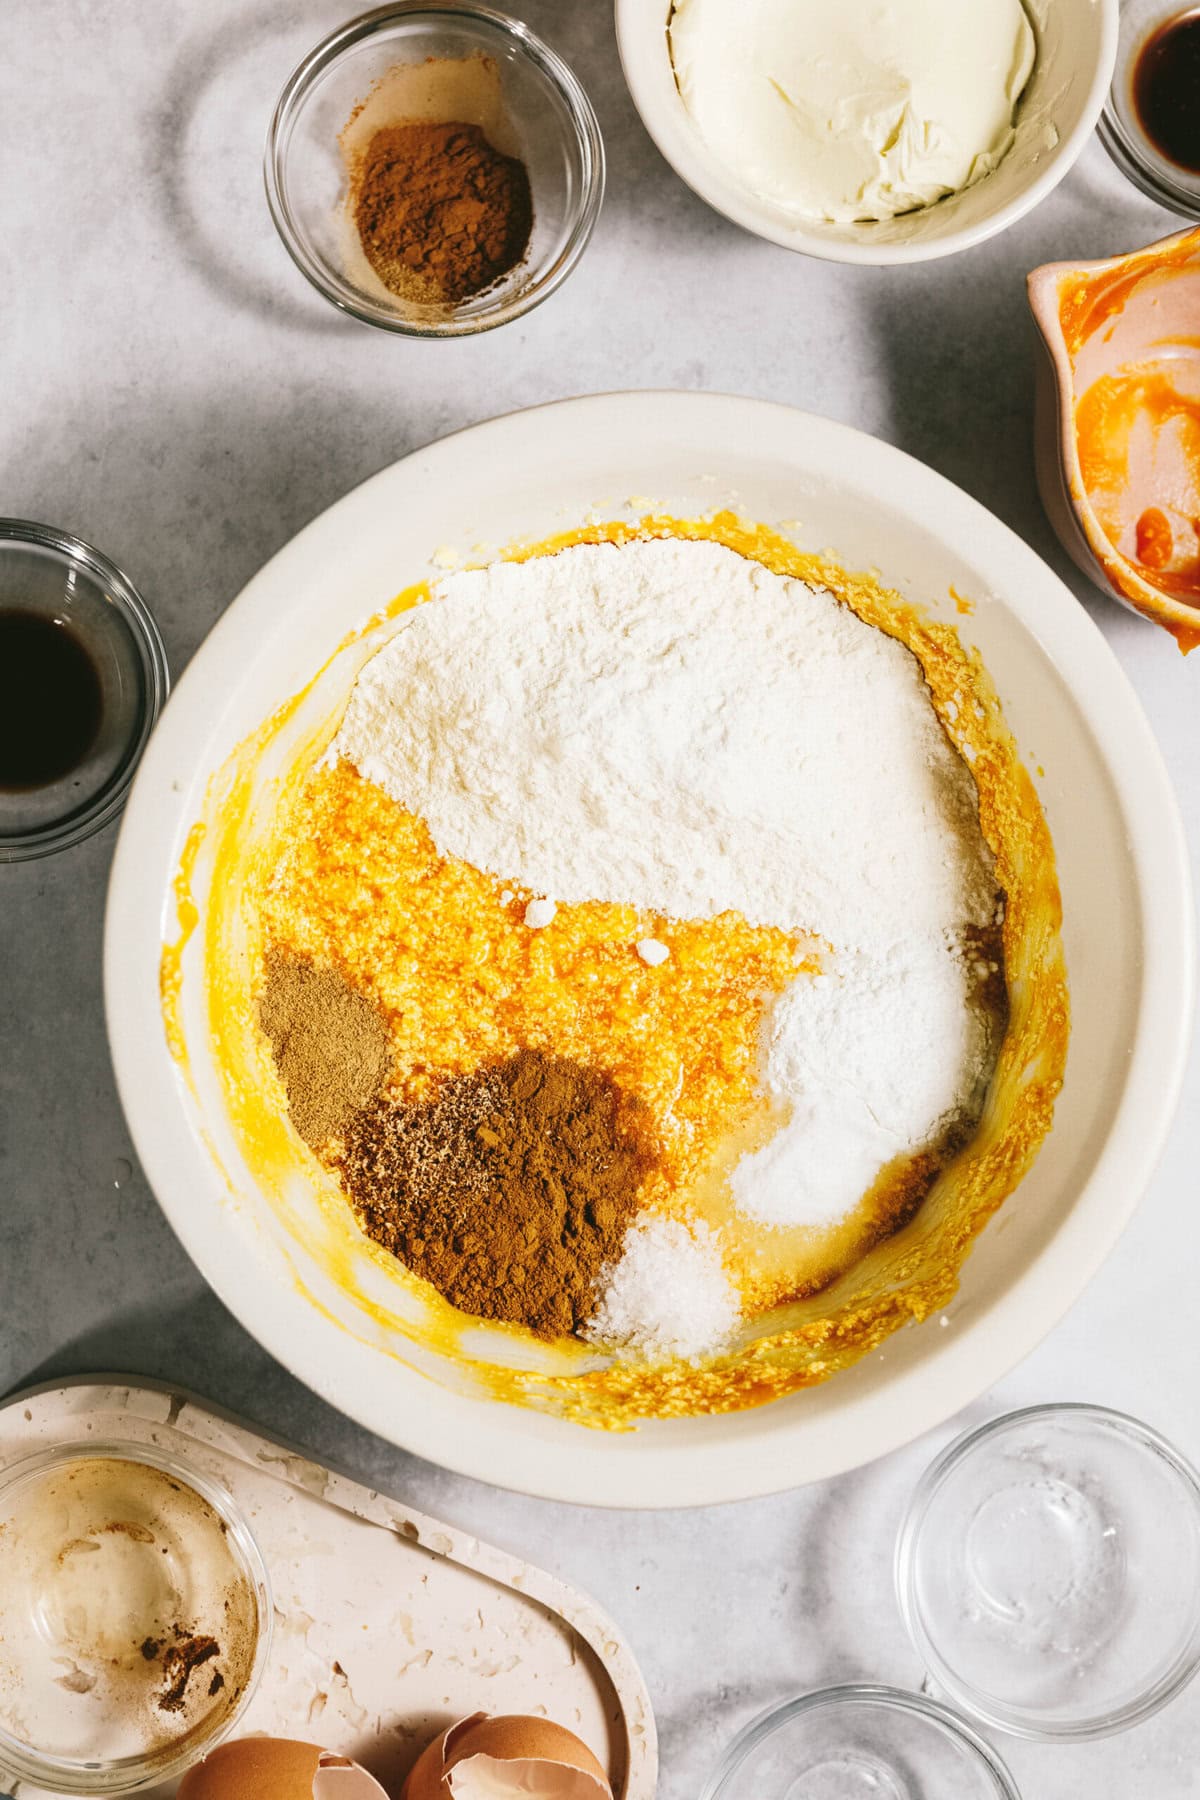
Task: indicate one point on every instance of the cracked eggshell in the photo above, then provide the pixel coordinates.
(483, 1758)
(263, 1768)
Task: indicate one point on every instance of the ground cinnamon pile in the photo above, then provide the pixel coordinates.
(509, 1189)
(441, 213)
(329, 1042)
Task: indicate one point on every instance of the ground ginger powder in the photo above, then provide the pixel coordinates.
(329, 1042)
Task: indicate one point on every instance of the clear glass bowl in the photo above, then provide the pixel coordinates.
(546, 112)
(860, 1743)
(120, 1568)
(56, 576)
(1048, 1572)
(1120, 130)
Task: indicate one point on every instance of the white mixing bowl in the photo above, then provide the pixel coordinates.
(1076, 52)
(1128, 931)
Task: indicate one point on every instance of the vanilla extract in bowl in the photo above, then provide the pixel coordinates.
(50, 700)
(83, 676)
(1166, 89)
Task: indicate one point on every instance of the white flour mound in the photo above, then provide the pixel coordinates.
(672, 726)
(667, 1294)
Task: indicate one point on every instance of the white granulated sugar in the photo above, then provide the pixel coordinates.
(668, 1293)
(873, 1056)
(672, 726)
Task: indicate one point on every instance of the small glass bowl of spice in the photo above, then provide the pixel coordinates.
(434, 170)
(1151, 121)
(135, 1617)
(83, 677)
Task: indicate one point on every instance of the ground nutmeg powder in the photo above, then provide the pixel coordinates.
(441, 213)
(509, 1189)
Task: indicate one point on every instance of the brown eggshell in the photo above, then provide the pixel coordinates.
(481, 1758)
(425, 1777)
(263, 1768)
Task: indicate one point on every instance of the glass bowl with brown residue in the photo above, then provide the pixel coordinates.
(135, 1617)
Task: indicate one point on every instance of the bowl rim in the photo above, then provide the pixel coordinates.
(475, 1437)
(128, 1774)
(588, 139)
(643, 49)
(102, 573)
(1143, 175)
(863, 1693)
(1018, 1721)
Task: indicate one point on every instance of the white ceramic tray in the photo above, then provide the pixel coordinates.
(388, 1624)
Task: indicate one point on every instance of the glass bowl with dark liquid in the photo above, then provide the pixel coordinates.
(83, 677)
(1151, 120)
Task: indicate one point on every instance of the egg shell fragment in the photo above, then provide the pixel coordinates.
(263, 1768)
(514, 1757)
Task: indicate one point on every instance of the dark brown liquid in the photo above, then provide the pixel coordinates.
(50, 700)
(1166, 90)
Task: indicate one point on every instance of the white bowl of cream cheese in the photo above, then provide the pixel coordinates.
(873, 131)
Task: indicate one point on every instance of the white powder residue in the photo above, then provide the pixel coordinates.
(671, 726)
(668, 1294)
(874, 1056)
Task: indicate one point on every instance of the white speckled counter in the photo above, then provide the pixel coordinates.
(173, 391)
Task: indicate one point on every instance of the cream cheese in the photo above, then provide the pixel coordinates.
(847, 110)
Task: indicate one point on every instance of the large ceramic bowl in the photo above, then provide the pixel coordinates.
(1076, 51)
(1111, 321)
(1122, 866)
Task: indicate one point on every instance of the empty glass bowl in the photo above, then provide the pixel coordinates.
(1049, 1572)
(421, 52)
(860, 1743)
(50, 578)
(1121, 131)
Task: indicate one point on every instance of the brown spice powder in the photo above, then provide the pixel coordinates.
(180, 1662)
(330, 1045)
(509, 1189)
(441, 213)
